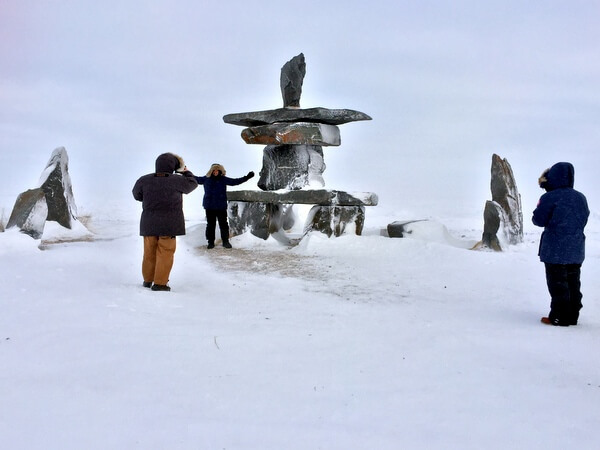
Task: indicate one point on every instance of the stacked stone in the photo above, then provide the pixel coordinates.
(293, 160)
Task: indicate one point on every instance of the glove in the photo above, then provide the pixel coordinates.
(250, 175)
(187, 173)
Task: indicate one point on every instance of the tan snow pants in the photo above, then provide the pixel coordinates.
(159, 253)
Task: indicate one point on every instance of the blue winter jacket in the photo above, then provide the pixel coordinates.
(563, 212)
(215, 190)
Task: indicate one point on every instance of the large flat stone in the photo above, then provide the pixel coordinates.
(322, 197)
(319, 115)
(293, 133)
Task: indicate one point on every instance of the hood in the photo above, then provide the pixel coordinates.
(218, 167)
(560, 175)
(168, 163)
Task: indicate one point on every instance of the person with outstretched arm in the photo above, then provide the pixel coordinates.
(215, 202)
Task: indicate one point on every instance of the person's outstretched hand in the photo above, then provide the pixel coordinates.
(250, 174)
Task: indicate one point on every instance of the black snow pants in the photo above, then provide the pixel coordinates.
(564, 286)
(212, 215)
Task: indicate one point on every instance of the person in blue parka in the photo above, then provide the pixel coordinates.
(215, 201)
(563, 212)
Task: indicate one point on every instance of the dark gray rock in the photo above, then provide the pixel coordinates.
(56, 185)
(30, 213)
(400, 229)
(505, 193)
(269, 219)
(291, 167)
(255, 217)
(504, 212)
(293, 133)
(261, 219)
(333, 220)
(322, 197)
(291, 79)
(493, 215)
(318, 115)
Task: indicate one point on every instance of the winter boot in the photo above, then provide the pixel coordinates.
(160, 287)
(555, 322)
(210, 245)
(226, 244)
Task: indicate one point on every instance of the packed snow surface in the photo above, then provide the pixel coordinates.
(357, 342)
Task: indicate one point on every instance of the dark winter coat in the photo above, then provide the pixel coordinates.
(563, 212)
(162, 199)
(215, 187)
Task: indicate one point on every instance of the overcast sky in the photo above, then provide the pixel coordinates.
(447, 83)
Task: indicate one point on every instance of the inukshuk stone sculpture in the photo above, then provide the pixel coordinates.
(503, 216)
(52, 200)
(293, 161)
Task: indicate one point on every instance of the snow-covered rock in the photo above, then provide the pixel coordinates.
(30, 213)
(291, 167)
(52, 201)
(503, 216)
(56, 183)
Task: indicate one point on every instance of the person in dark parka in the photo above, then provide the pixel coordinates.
(215, 201)
(563, 212)
(161, 194)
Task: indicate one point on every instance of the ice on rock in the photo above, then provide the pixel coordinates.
(55, 181)
(51, 201)
(291, 167)
(503, 215)
(30, 213)
(293, 162)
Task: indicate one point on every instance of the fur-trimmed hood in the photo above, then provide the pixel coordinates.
(169, 163)
(218, 167)
(560, 175)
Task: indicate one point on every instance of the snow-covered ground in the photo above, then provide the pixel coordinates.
(359, 342)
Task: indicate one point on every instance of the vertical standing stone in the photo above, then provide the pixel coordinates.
(503, 216)
(53, 200)
(56, 184)
(291, 79)
(493, 216)
(505, 193)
